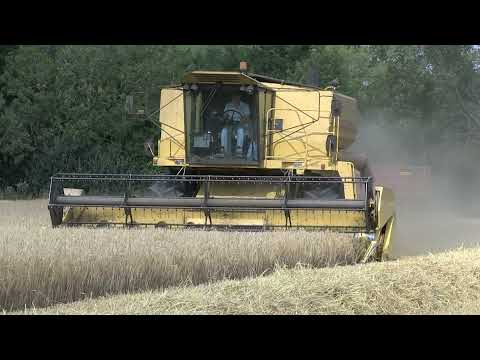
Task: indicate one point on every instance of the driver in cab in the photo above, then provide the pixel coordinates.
(236, 111)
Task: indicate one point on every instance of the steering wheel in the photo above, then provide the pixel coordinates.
(233, 112)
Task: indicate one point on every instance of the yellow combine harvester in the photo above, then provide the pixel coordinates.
(242, 151)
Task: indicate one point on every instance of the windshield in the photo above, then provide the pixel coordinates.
(222, 124)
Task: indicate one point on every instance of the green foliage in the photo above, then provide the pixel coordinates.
(62, 108)
(66, 109)
(4, 50)
(276, 61)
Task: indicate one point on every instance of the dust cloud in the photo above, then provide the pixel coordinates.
(438, 203)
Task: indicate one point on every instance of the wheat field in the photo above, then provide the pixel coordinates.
(152, 271)
(41, 266)
(444, 283)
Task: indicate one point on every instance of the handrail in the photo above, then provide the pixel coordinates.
(171, 127)
(172, 138)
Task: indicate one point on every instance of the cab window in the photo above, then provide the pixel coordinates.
(221, 124)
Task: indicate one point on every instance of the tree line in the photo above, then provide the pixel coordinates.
(62, 108)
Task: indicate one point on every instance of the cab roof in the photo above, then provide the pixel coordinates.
(236, 77)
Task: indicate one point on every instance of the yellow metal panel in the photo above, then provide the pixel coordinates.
(295, 109)
(117, 216)
(226, 218)
(158, 216)
(347, 169)
(247, 191)
(272, 164)
(306, 116)
(299, 218)
(389, 236)
(385, 208)
(332, 218)
(385, 205)
(171, 144)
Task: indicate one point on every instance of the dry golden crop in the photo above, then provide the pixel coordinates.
(41, 266)
(444, 283)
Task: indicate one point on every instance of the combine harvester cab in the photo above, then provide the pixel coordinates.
(242, 151)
